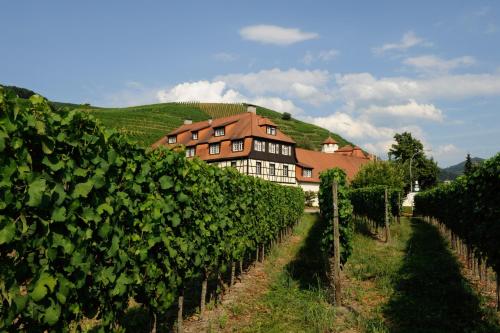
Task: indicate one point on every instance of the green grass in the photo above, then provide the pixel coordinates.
(413, 284)
(297, 299)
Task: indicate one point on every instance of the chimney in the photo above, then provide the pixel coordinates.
(210, 121)
(188, 122)
(251, 108)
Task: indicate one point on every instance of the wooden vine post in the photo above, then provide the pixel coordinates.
(400, 207)
(334, 271)
(386, 216)
(180, 309)
(204, 284)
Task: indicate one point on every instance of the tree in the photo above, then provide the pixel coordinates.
(286, 116)
(468, 167)
(380, 173)
(405, 147)
(408, 152)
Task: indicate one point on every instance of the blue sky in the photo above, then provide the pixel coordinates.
(362, 69)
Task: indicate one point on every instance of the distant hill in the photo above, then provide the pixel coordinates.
(452, 172)
(148, 123)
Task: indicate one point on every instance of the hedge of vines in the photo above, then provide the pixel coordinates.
(370, 202)
(470, 208)
(89, 220)
(346, 226)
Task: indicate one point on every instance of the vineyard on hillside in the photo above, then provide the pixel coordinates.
(148, 123)
(89, 220)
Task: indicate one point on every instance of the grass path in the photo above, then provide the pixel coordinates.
(413, 284)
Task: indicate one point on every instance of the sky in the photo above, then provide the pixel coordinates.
(363, 69)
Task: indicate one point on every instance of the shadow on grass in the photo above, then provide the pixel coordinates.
(308, 267)
(431, 294)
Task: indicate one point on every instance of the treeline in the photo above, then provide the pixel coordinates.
(469, 209)
(89, 220)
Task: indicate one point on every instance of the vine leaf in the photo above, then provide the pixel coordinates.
(35, 192)
(45, 282)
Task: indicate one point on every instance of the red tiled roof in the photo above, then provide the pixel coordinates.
(323, 161)
(329, 140)
(236, 127)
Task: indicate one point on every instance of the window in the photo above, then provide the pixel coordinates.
(238, 145)
(219, 131)
(214, 148)
(274, 148)
(286, 150)
(259, 145)
(271, 130)
(285, 170)
(272, 169)
(307, 173)
(258, 168)
(190, 151)
(233, 164)
(194, 135)
(172, 139)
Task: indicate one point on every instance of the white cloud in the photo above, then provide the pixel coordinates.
(205, 91)
(350, 127)
(325, 56)
(309, 86)
(278, 104)
(409, 40)
(446, 149)
(225, 57)
(272, 34)
(363, 88)
(412, 109)
(433, 64)
(217, 92)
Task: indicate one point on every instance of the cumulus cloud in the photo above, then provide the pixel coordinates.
(309, 86)
(218, 92)
(433, 64)
(409, 40)
(206, 91)
(353, 128)
(412, 109)
(272, 34)
(225, 57)
(362, 88)
(325, 56)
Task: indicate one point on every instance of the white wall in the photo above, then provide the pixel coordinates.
(311, 187)
(249, 166)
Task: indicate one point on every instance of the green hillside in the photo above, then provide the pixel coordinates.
(148, 123)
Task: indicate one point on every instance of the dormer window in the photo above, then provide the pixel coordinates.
(259, 145)
(307, 173)
(274, 148)
(238, 145)
(271, 130)
(219, 131)
(190, 151)
(214, 148)
(172, 139)
(286, 150)
(194, 135)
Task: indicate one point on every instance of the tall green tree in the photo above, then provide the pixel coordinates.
(468, 167)
(408, 152)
